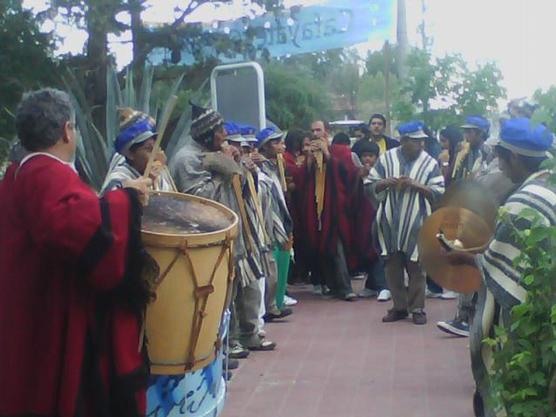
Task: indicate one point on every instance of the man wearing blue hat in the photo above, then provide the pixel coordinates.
(134, 145)
(270, 145)
(474, 155)
(521, 149)
(405, 181)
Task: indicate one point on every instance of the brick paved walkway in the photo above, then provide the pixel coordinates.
(337, 359)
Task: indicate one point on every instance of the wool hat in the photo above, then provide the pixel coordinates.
(135, 127)
(523, 137)
(413, 129)
(270, 133)
(476, 122)
(248, 133)
(203, 120)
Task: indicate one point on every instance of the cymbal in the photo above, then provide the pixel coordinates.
(470, 230)
(474, 196)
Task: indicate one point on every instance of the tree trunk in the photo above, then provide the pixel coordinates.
(401, 35)
(97, 58)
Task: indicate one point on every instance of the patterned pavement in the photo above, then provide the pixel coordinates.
(337, 359)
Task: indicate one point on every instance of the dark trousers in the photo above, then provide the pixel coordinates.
(376, 278)
(411, 298)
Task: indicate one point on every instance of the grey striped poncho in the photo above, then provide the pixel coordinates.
(502, 287)
(401, 213)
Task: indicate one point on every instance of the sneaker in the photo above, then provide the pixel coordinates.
(263, 346)
(449, 295)
(350, 296)
(367, 293)
(455, 327)
(238, 352)
(358, 277)
(432, 294)
(280, 314)
(326, 291)
(419, 317)
(384, 295)
(289, 301)
(394, 315)
(317, 289)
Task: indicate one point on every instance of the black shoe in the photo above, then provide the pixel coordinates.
(395, 315)
(238, 352)
(285, 312)
(232, 364)
(227, 375)
(419, 317)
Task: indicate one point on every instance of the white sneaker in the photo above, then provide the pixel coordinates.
(431, 294)
(384, 295)
(289, 301)
(449, 295)
(366, 293)
(317, 289)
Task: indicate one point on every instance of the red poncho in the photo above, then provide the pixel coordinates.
(70, 268)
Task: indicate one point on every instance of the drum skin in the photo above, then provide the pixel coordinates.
(182, 323)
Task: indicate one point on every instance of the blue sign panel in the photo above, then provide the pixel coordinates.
(298, 30)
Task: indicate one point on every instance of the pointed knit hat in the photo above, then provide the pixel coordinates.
(203, 120)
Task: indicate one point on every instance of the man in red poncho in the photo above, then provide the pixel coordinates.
(326, 233)
(70, 275)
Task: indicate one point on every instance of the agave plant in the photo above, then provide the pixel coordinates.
(95, 152)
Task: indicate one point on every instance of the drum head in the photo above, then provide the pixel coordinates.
(172, 214)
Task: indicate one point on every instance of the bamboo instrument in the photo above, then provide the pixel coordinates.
(282, 172)
(257, 203)
(164, 122)
(246, 226)
(460, 157)
(320, 182)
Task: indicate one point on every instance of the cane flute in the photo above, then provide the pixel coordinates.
(320, 180)
(165, 119)
(247, 232)
(282, 172)
(257, 202)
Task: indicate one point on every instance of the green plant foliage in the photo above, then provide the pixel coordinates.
(546, 112)
(524, 378)
(294, 98)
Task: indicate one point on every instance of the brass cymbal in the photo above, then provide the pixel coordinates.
(473, 196)
(470, 230)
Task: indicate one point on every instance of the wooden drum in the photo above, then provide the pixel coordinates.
(190, 238)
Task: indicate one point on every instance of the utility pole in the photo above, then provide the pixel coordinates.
(401, 35)
(387, 60)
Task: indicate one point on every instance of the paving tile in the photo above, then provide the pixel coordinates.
(337, 359)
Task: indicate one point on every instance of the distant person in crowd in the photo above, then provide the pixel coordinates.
(470, 163)
(364, 239)
(71, 271)
(406, 181)
(521, 149)
(432, 146)
(134, 146)
(207, 167)
(451, 140)
(377, 129)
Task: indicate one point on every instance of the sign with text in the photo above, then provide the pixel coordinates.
(298, 30)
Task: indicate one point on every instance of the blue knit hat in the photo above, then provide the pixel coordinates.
(476, 122)
(137, 129)
(270, 133)
(523, 137)
(413, 129)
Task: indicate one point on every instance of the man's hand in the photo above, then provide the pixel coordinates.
(405, 183)
(161, 157)
(257, 158)
(364, 171)
(249, 164)
(231, 152)
(386, 183)
(141, 185)
(156, 169)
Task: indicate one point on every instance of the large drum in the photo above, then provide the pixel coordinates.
(190, 238)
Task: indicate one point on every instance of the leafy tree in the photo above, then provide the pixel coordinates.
(294, 98)
(25, 61)
(546, 112)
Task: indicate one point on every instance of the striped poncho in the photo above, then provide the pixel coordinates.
(402, 212)
(503, 280)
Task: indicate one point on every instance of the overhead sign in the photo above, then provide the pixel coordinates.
(298, 30)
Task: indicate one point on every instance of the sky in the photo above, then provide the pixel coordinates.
(517, 34)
